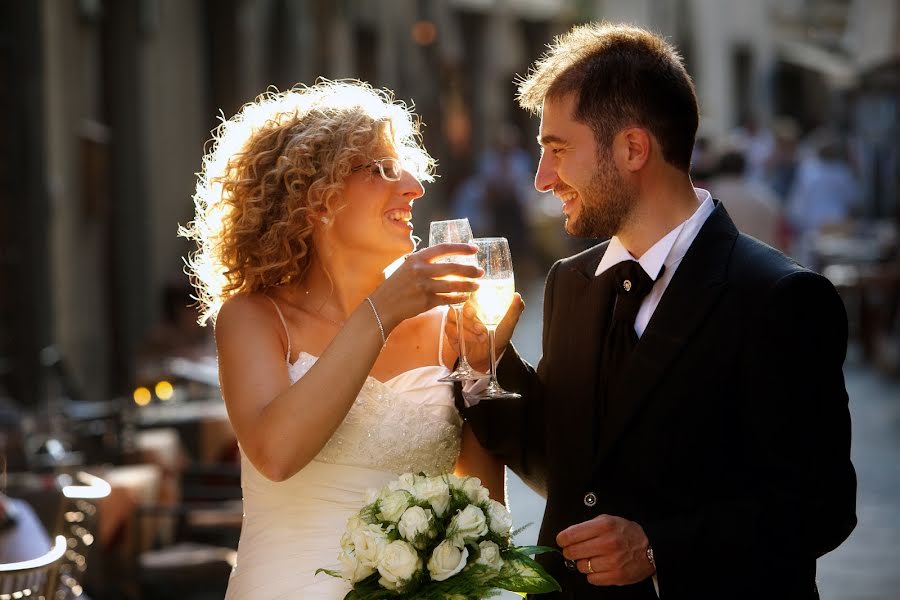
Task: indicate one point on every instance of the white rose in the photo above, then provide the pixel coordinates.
(347, 542)
(354, 523)
(352, 569)
(499, 518)
(399, 563)
(369, 542)
(417, 524)
(467, 526)
(392, 506)
(490, 556)
(407, 482)
(454, 480)
(447, 560)
(474, 491)
(435, 492)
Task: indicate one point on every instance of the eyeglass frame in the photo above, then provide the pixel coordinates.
(380, 163)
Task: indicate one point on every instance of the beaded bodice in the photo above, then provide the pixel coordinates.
(406, 424)
(293, 527)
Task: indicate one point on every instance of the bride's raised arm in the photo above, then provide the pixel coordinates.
(282, 426)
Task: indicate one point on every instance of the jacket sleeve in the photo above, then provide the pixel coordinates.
(514, 429)
(793, 431)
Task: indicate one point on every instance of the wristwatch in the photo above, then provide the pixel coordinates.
(650, 557)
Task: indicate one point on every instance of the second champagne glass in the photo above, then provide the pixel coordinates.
(456, 231)
(492, 299)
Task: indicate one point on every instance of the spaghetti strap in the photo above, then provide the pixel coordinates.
(284, 323)
(441, 337)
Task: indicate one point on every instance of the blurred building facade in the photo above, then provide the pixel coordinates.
(112, 102)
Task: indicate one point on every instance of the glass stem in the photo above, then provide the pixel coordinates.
(493, 381)
(463, 363)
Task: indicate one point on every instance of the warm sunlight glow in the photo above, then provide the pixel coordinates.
(142, 396)
(424, 33)
(164, 390)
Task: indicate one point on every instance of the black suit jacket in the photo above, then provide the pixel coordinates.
(728, 441)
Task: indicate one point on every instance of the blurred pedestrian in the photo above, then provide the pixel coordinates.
(752, 206)
(781, 167)
(825, 194)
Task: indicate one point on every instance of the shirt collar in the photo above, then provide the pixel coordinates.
(667, 251)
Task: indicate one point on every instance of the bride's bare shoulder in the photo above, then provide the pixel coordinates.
(243, 312)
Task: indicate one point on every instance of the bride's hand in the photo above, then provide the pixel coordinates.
(478, 349)
(418, 285)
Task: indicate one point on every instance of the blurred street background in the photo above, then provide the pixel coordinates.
(109, 105)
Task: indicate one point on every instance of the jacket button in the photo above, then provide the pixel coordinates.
(570, 565)
(590, 499)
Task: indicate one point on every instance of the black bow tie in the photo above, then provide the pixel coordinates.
(631, 285)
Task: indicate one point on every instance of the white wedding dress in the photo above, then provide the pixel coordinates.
(291, 528)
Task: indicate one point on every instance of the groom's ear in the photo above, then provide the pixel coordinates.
(632, 148)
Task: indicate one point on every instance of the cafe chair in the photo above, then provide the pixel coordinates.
(78, 521)
(197, 562)
(36, 579)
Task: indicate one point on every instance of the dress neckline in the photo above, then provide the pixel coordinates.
(387, 382)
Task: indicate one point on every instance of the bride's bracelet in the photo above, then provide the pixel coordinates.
(378, 320)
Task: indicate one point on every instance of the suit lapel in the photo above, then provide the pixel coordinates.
(587, 305)
(693, 291)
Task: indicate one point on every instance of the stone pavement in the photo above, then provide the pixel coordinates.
(867, 565)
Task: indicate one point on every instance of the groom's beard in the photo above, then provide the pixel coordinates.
(606, 203)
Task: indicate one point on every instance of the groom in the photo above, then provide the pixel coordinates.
(688, 421)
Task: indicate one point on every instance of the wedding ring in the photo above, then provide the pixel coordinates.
(590, 568)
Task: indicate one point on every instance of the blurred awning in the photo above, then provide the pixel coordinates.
(837, 69)
(527, 9)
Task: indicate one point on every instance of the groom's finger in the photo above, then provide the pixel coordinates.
(510, 320)
(473, 330)
(605, 578)
(602, 545)
(599, 565)
(585, 531)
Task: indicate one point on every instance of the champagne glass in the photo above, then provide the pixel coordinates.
(492, 299)
(456, 231)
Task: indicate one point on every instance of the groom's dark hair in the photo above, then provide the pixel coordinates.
(623, 76)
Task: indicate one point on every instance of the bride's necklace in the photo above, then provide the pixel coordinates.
(318, 312)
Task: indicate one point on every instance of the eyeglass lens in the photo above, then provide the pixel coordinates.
(390, 168)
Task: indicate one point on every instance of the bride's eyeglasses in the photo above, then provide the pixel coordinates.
(389, 167)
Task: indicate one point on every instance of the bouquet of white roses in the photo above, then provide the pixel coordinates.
(436, 538)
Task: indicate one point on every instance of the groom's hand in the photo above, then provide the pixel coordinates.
(478, 349)
(615, 547)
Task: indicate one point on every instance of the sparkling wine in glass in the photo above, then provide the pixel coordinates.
(492, 299)
(456, 231)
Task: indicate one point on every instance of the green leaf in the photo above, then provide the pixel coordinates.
(368, 514)
(533, 550)
(523, 574)
(516, 532)
(329, 572)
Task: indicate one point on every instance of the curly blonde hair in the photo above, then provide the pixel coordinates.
(274, 168)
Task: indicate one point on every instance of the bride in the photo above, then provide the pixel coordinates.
(328, 368)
